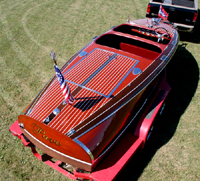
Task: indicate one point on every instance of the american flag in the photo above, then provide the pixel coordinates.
(64, 87)
(162, 13)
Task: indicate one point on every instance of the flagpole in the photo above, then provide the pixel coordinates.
(53, 56)
(63, 84)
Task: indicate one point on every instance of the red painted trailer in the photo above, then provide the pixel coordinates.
(116, 159)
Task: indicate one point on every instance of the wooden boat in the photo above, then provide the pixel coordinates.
(111, 79)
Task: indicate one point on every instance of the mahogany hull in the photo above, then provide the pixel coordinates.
(110, 79)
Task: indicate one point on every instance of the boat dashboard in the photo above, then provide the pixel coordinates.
(158, 34)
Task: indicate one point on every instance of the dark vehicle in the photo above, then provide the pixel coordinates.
(183, 13)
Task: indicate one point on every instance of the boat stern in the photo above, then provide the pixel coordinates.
(54, 143)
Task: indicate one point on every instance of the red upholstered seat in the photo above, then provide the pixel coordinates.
(143, 52)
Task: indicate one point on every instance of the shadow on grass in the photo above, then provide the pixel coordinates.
(192, 37)
(183, 77)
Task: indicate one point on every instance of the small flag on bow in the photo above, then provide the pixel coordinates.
(63, 84)
(162, 13)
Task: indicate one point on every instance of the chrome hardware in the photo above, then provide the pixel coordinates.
(129, 20)
(136, 71)
(56, 111)
(46, 120)
(21, 125)
(53, 55)
(155, 21)
(71, 132)
(64, 102)
(164, 57)
(174, 42)
(83, 53)
(85, 148)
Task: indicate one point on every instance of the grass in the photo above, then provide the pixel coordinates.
(30, 30)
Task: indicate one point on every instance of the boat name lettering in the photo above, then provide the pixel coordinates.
(39, 130)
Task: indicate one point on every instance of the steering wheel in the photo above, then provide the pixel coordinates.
(162, 34)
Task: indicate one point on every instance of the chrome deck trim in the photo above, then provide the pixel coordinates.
(85, 148)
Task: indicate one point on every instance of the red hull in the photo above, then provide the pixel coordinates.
(111, 79)
(118, 157)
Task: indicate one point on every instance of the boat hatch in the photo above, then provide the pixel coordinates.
(136, 47)
(109, 68)
(94, 80)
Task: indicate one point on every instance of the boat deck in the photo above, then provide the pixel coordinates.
(100, 75)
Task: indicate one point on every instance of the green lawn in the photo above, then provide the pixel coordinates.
(30, 30)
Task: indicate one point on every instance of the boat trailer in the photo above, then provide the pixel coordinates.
(117, 158)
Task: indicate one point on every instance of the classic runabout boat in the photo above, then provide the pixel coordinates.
(108, 83)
